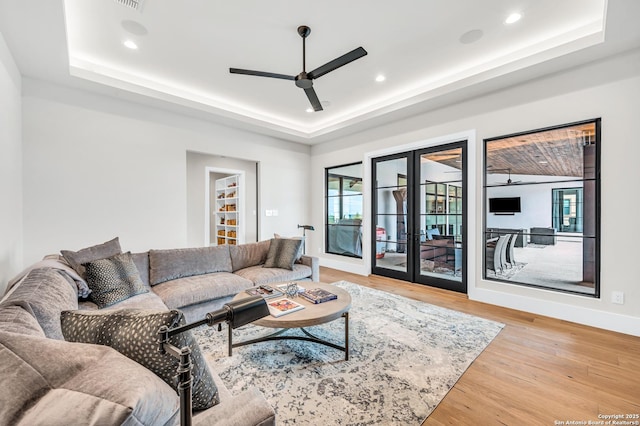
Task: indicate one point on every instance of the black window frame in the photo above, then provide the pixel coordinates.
(596, 173)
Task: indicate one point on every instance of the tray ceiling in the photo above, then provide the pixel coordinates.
(424, 49)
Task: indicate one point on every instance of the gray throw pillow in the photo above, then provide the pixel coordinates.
(300, 250)
(282, 253)
(89, 254)
(134, 333)
(113, 280)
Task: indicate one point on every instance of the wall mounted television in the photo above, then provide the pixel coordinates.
(504, 205)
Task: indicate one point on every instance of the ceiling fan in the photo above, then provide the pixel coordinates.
(304, 80)
(509, 181)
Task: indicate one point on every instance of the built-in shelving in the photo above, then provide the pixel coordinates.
(227, 214)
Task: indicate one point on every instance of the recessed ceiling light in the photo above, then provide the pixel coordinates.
(131, 44)
(309, 109)
(380, 78)
(514, 17)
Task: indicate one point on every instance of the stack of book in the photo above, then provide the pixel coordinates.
(318, 295)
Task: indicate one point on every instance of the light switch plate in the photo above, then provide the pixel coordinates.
(617, 297)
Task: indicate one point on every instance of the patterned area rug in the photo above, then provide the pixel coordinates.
(405, 356)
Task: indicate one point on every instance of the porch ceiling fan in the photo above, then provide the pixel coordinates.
(509, 181)
(304, 80)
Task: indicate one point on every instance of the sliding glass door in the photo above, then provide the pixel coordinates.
(419, 200)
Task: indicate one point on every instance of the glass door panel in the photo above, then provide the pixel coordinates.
(440, 207)
(391, 218)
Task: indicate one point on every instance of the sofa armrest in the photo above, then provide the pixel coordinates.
(248, 408)
(314, 263)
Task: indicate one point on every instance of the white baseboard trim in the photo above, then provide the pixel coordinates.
(586, 316)
(592, 317)
(344, 266)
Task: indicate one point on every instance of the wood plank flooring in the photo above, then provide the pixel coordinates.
(538, 370)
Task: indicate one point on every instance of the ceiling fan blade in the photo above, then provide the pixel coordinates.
(337, 63)
(313, 98)
(261, 74)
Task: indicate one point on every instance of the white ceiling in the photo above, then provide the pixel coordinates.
(185, 50)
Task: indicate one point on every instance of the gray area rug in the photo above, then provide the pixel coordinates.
(405, 356)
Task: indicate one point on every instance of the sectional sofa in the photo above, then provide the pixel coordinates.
(48, 376)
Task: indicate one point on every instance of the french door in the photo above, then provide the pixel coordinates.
(418, 216)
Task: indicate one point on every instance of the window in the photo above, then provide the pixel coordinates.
(344, 210)
(542, 191)
(567, 209)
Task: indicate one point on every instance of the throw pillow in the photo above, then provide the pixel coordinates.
(282, 253)
(113, 280)
(134, 333)
(300, 250)
(89, 254)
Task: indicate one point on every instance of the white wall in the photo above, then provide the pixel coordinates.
(10, 167)
(609, 89)
(96, 167)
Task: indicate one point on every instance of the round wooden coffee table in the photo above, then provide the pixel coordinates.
(312, 314)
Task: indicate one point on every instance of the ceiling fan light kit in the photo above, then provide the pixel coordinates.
(304, 80)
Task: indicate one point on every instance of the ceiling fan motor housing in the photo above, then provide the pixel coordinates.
(302, 81)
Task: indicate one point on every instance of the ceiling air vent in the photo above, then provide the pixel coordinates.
(133, 4)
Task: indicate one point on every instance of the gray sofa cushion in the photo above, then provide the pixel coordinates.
(282, 253)
(166, 265)
(46, 292)
(113, 279)
(20, 319)
(89, 254)
(134, 333)
(260, 275)
(201, 288)
(251, 254)
(52, 382)
(256, 411)
(148, 300)
(142, 263)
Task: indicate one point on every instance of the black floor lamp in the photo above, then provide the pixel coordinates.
(235, 313)
(305, 228)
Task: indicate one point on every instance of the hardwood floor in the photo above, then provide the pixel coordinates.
(538, 370)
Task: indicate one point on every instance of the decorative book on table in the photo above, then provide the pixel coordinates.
(318, 295)
(280, 307)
